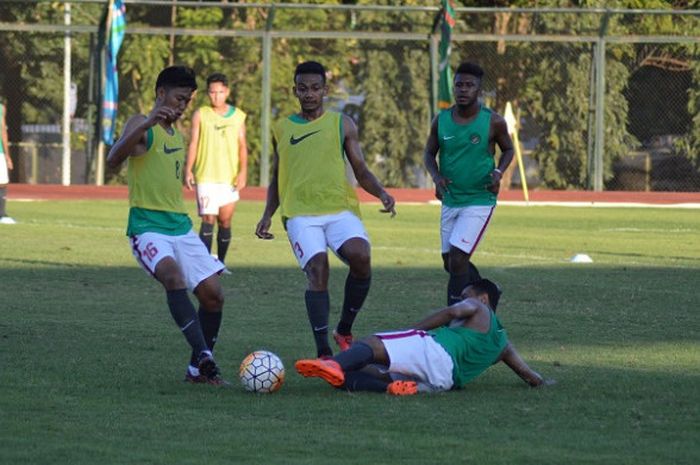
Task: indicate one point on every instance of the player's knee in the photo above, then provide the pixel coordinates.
(317, 272)
(378, 349)
(215, 302)
(458, 261)
(211, 298)
(361, 266)
(446, 262)
(173, 282)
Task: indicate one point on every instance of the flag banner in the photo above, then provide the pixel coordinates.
(115, 26)
(445, 83)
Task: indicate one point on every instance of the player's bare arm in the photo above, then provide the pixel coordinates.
(242, 179)
(432, 146)
(262, 230)
(460, 311)
(192, 151)
(5, 144)
(499, 131)
(365, 178)
(133, 140)
(515, 362)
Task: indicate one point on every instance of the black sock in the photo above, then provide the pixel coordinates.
(3, 194)
(185, 316)
(357, 356)
(317, 309)
(356, 291)
(210, 323)
(223, 238)
(455, 286)
(361, 381)
(206, 232)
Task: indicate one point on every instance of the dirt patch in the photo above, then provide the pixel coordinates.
(89, 192)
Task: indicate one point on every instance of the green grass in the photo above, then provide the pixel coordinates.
(91, 363)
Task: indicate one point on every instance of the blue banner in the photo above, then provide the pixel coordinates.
(116, 24)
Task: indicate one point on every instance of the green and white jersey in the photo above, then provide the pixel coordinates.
(465, 159)
(472, 352)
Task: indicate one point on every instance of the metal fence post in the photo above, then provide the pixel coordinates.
(598, 164)
(35, 164)
(266, 102)
(65, 172)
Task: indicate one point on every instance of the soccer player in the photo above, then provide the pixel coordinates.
(5, 165)
(217, 162)
(319, 207)
(444, 351)
(159, 229)
(467, 179)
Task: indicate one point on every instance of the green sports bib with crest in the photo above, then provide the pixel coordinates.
(465, 159)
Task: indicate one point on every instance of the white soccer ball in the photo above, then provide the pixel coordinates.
(261, 371)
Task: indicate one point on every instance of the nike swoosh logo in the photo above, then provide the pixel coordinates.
(294, 141)
(221, 127)
(447, 137)
(320, 328)
(170, 150)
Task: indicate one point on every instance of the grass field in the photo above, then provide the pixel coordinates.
(91, 363)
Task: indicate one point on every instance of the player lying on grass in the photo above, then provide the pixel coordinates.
(444, 351)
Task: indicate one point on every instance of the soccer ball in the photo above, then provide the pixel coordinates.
(261, 371)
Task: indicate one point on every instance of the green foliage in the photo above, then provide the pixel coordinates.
(549, 83)
(690, 144)
(394, 78)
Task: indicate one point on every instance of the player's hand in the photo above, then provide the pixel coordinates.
(189, 180)
(495, 186)
(263, 228)
(241, 183)
(161, 113)
(10, 166)
(388, 202)
(441, 186)
(544, 382)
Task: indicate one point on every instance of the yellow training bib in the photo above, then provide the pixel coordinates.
(217, 149)
(155, 178)
(311, 172)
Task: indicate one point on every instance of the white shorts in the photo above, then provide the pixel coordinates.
(188, 251)
(311, 235)
(211, 197)
(415, 354)
(4, 177)
(464, 227)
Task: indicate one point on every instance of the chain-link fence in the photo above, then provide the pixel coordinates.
(642, 132)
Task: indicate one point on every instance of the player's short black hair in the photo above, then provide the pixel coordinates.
(490, 288)
(310, 67)
(217, 77)
(471, 69)
(177, 76)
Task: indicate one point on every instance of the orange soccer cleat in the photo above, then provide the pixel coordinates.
(402, 388)
(327, 369)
